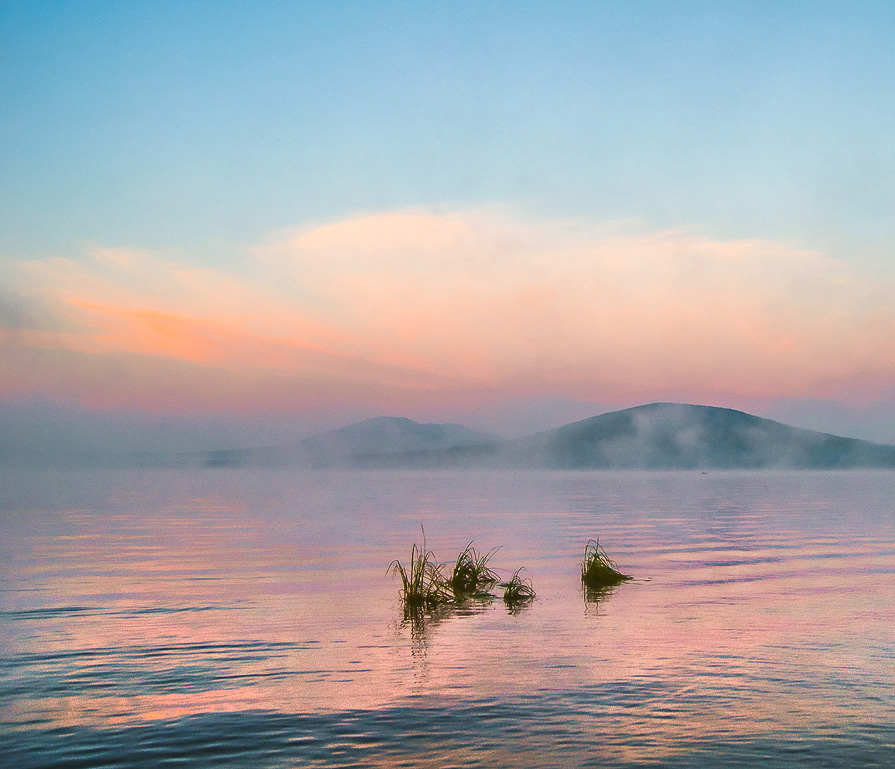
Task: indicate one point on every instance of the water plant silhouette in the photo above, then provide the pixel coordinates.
(471, 575)
(517, 590)
(423, 584)
(598, 570)
(426, 592)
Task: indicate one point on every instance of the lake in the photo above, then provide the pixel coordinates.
(245, 618)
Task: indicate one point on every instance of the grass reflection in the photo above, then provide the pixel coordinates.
(595, 595)
(515, 608)
(422, 622)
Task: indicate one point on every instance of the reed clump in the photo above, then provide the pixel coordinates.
(423, 584)
(471, 575)
(598, 570)
(517, 590)
(426, 588)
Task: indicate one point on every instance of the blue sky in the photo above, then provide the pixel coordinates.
(171, 125)
(199, 133)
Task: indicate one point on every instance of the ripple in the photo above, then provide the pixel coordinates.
(552, 730)
(257, 627)
(50, 611)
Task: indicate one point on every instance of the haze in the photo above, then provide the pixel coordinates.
(242, 224)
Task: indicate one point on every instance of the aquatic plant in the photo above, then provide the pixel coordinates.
(471, 574)
(427, 593)
(598, 570)
(516, 590)
(423, 584)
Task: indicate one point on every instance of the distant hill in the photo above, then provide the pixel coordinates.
(654, 436)
(349, 446)
(385, 436)
(660, 436)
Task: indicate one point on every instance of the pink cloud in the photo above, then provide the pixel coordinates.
(464, 304)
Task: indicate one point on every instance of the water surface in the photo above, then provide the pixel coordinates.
(245, 618)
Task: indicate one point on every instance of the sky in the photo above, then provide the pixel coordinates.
(241, 222)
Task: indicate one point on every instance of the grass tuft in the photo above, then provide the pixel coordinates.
(471, 575)
(598, 570)
(517, 590)
(423, 585)
(427, 593)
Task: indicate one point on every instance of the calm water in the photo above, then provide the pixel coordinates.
(230, 618)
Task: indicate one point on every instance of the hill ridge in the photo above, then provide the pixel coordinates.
(659, 435)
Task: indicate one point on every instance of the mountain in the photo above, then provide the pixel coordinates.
(385, 436)
(654, 436)
(660, 436)
(380, 438)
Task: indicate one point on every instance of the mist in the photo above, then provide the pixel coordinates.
(658, 436)
(44, 433)
(47, 433)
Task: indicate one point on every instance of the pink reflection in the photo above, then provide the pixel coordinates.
(232, 601)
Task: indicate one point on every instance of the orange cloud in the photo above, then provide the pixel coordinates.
(468, 302)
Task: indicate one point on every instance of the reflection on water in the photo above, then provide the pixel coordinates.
(515, 608)
(593, 595)
(236, 618)
(420, 621)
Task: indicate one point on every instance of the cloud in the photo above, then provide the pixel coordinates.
(451, 305)
(552, 306)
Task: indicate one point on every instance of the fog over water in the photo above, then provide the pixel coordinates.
(674, 435)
